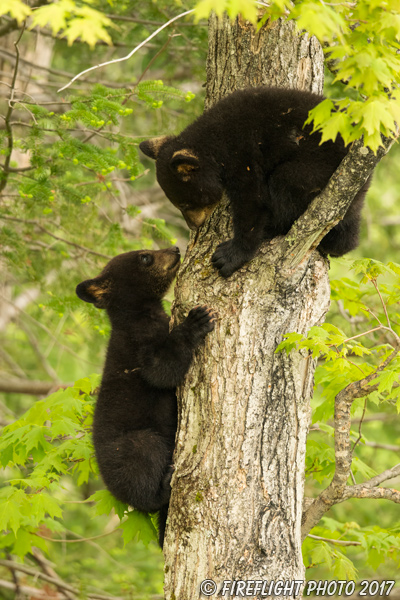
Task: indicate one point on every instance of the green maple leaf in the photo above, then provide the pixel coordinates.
(138, 524)
(88, 29)
(204, 8)
(10, 510)
(17, 9)
(106, 502)
(375, 117)
(53, 14)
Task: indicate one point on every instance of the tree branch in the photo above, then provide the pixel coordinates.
(332, 541)
(49, 571)
(33, 388)
(385, 476)
(363, 491)
(36, 574)
(47, 331)
(337, 490)
(187, 12)
(9, 133)
(330, 206)
(48, 369)
(12, 57)
(56, 237)
(59, 583)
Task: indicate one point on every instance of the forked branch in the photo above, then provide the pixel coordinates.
(330, 206)
(338, 491)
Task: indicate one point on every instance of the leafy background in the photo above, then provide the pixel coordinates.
(75, 191)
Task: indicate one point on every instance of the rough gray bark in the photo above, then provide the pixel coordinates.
(237, 490)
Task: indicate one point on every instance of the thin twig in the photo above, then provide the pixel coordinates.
(155, 23)
(33, 388)
(56, 237)
(18, 592)
(55, 581)
(162, 49)
(362, 334)
(336, 542)
(46, 330)
(116, 60)
(352, 477)
(375, 284)
(9, 133)
(359, 427)
(48, 570)
(35, 346)
(10, 55)
(66, 541)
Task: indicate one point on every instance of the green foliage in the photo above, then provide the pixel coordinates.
(370, 309)
(361, 42)
(75, 194)
(247, 9)
(346, 540)
(49, 443)
(16, 8)
(65, 17)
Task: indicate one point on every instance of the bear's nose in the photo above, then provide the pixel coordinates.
(175, 249)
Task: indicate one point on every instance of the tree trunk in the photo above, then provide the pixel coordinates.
(237, 491)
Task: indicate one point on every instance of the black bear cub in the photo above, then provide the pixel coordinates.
(253, 145)
(135, 418)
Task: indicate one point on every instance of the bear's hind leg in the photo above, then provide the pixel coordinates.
(344, 237)
(136, 468)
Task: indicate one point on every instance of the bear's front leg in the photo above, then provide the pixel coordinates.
(249, 222)
(165, 363)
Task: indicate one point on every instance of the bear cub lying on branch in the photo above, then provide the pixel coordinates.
(135, 418)
(253, 146)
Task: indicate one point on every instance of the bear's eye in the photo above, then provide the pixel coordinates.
(146, 259)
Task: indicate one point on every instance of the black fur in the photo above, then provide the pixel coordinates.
(135, 418)
(253, 146)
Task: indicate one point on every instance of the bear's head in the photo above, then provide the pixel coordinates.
(189, 179)
(132, 279)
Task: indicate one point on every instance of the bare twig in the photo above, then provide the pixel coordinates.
(375, 284)
(9, 133)
(56, 237)
(155, 23)
(18, 593)
(359, 427)
(116, 60)
(53, 580)
(79, 540)
(49, 571)
(47, 330)
(12, 363)
(392, 447)
(12, 57)
(152, 61)
(332, 541)
(352, 477)
(34, 573)
(384, 476)
(35, 346)
(33, 388)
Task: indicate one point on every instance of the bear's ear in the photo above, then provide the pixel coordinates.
(152, 147)
(96, 291)
(184, 162)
